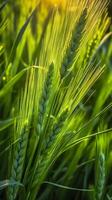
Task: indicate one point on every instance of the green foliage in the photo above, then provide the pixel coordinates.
(55, 100)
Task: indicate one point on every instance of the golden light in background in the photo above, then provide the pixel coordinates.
(30, 4)
(56, 2)
(53, 2)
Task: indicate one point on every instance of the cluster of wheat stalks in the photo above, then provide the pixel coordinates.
(55, 100)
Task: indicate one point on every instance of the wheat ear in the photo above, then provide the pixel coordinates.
(44, 98)
(19, 156)
(44, 159)
(74, 44)
(100, 178)
(22, 130)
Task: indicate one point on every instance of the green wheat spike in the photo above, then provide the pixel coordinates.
(50, 141)
(22, 128)
(43, 159)
(17, 167)
(100, 178)
(90, 48)
(44, 98)
(74, 44)
(57, 128)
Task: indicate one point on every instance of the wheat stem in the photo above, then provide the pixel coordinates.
(44, 158)
(74, 44)
(44, 98)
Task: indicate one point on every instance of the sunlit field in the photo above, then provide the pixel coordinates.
(55, 100)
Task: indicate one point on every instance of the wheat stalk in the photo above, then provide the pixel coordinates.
(22, 128)
(44, 157)
(53, 98)
(101, 177)
(74, 44)
(19, 156)
(44, 98)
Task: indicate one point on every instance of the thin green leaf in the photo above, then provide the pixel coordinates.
(20, 34)
(6, 123)
(68, 188)
(11, 83)
(3, 5)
